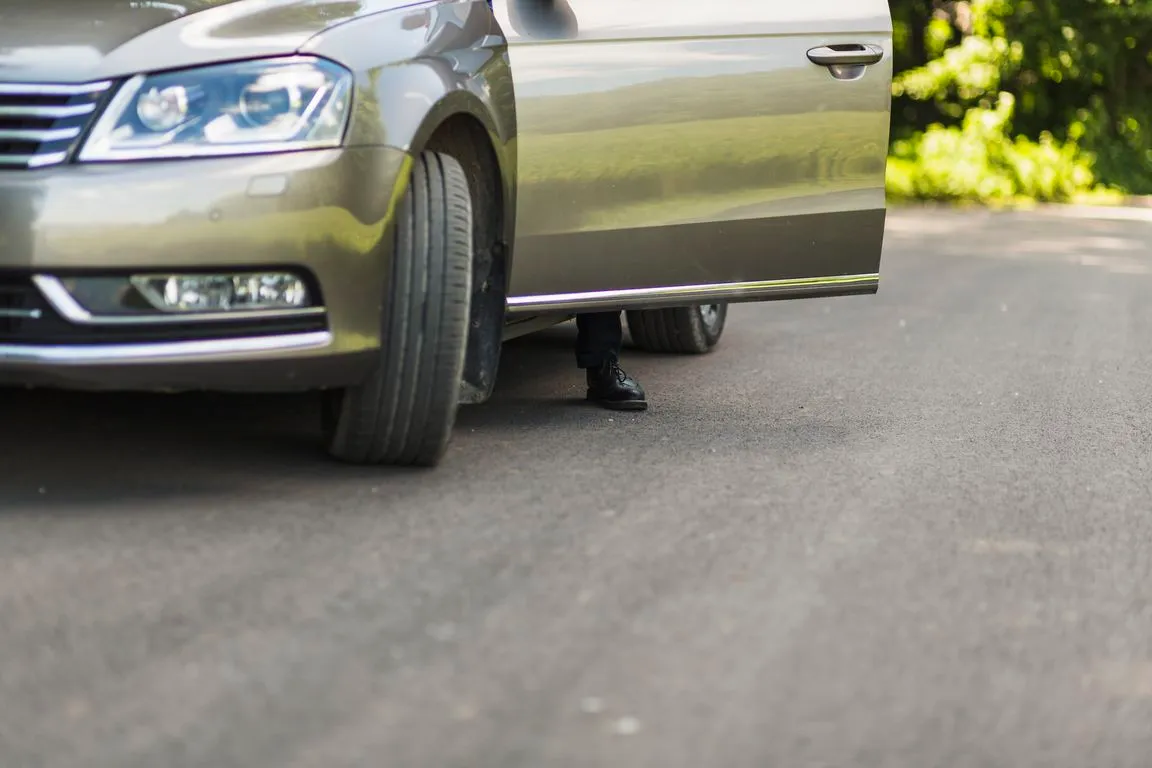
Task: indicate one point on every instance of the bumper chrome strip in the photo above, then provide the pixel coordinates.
(695, 294)
(223, 350)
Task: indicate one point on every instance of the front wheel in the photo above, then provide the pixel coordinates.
(404, 412)
(683, 330)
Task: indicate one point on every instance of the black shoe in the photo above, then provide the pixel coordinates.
(610, 387)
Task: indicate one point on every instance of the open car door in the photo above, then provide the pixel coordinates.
(673, 152)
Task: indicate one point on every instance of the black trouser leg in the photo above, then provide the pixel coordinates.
(600, 336)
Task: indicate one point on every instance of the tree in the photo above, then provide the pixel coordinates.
(1035, 98)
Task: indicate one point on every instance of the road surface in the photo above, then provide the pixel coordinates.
(913, 529)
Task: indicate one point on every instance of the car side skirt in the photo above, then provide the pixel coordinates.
(686, 295)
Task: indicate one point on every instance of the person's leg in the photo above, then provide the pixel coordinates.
(599, 338)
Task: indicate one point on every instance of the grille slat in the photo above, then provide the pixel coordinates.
(10, 161)
(49, 113)
(40, 123)
(18, 305)
(42, 136)
(20, 161)
(52, 89)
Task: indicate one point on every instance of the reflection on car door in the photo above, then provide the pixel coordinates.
(677, 149)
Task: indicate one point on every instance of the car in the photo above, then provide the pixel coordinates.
(367, 198)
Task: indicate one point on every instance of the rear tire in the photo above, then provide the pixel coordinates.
(404, 412)
(681, 331)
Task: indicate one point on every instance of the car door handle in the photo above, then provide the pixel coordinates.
(845, 55)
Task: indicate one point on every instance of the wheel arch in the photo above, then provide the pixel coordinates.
(459, 127)
(437, 77)
(418, 68)
(460, 122)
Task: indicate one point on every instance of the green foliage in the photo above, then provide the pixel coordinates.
(1003, 99)
(978, 160)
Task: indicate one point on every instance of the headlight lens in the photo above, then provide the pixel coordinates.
(247, 108)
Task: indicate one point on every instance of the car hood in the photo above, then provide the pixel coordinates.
(79, 40)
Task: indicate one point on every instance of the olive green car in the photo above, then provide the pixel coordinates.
(367, 197)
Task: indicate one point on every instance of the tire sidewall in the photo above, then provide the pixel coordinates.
(710, 332)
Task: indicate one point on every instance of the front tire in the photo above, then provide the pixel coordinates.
(404, 412)
(681, 331)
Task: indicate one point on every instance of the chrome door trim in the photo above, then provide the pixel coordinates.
(682, 295)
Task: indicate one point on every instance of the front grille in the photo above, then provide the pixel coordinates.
(20, 302)
(27, 318)
(40, 124)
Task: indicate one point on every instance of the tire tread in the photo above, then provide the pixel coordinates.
(678, 330)
(403, 414)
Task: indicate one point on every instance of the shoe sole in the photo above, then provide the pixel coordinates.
(623, 405)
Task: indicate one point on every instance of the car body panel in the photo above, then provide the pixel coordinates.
(295, 363)
(419, 66)
(326, 212)
(803, 217)
(677, 144)
(74, 41)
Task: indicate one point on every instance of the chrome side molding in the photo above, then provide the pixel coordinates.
(682, 295)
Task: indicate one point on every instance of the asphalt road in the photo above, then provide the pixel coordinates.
(904, 530)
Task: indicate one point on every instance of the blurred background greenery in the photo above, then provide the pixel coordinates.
(1009, 100)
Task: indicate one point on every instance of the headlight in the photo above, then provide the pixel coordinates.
(274, 105)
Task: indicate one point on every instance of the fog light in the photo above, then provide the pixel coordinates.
(223, 293)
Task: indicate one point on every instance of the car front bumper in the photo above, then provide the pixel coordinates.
(323, 214)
